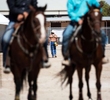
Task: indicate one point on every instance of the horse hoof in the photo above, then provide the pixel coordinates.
(17, 98)
(89, 99)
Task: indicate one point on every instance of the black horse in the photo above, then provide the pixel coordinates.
(85, 49)
(26, 52)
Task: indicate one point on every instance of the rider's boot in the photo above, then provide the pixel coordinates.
(46, 63)
(6, 70)
(66, 61)
(6, 65)
(105, 60)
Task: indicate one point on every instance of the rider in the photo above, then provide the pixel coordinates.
(76, 9)
(18, 10)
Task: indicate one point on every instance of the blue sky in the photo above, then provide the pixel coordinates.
(108, 1)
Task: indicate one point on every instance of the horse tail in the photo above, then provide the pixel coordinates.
(66, 74)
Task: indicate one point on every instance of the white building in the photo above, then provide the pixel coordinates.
(56, 13)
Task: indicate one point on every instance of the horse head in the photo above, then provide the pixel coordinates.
(41, 19)
(94, 17)
(32, 32)
(36, 22)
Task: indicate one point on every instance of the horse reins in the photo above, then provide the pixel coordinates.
(97, 38)
(31, 54)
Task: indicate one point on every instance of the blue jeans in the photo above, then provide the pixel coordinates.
(6, 39)
(104, 38)
(45, 47)
(69, 30)
(53, 48)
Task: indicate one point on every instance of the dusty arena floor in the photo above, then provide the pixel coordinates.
(49, 87)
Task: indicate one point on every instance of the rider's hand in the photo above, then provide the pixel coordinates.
(20, 17)
(25, 14)
(80, 21)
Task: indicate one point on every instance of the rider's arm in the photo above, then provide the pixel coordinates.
(72, 11)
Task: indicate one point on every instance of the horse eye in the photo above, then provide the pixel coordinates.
(88, 18)
(34, 21)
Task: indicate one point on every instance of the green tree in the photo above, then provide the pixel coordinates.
(105, 8)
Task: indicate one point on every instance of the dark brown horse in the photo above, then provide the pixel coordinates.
(26, 52)
(85, 49)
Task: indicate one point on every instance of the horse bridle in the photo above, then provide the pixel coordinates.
(31, 54)
(97, 39)
(92, 23)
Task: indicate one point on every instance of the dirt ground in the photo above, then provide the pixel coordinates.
(49, 87)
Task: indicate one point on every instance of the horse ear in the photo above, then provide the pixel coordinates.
(88, 5)
(31, 8)
(45, 7)
(41, 8)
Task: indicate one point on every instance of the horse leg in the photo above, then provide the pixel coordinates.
(30, 81)
(98, 83)
(79, 70)
(18, 85)
(35, 88)
(87, 70)
(18, 80)
(71, 96)
(32, 88)
(71, 80)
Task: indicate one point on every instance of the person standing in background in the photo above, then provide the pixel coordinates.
(53, 39)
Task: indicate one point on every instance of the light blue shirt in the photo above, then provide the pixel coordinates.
(78, 8)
